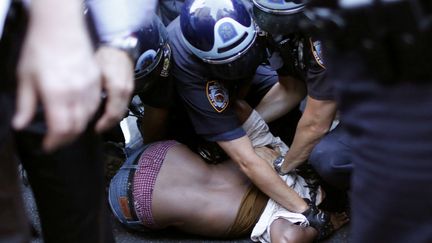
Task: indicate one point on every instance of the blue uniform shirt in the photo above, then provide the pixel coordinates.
(208, 101)
(302, 58)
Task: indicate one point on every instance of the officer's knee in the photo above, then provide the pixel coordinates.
(323, 158)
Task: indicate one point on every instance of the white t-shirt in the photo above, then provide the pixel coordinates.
(4, 7)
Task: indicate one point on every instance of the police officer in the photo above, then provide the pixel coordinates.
(62, 161)
(154, 87)
(298, 55)
(379, 57)
(215, 47)
(153, 97)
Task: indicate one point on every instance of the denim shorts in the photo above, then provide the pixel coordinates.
(131, 189)
(120, 191)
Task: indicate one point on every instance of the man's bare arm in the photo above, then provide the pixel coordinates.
(262, 174)
(281, 98)
(313, 125)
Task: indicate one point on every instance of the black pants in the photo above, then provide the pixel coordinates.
(13, 223)
(391, 152)
(331, 158)
(68, 185)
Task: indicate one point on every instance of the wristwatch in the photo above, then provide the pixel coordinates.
(277, 164)
(128, 43)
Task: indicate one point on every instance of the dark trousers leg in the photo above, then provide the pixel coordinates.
(331, 158)
(391, 187)
(68, 186)
(14, 226)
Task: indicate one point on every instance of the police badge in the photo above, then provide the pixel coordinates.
(217, 95)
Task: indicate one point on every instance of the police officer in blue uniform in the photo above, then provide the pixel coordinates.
(216, 49)
(153, 96)
(154, 87)
(379, 57)
(264, 82)
(298, 55)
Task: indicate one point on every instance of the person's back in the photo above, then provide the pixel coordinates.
(166, 184)
(217, 191)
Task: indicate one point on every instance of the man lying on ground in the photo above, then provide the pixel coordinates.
(166, 184)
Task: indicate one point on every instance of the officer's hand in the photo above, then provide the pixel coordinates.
(57, 68)
(118, 83)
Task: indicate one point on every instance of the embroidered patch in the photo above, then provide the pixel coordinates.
(317, 52)
(227, 31)
(217, 95)
(166, 61)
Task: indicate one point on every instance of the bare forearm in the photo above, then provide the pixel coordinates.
(281, 98)
(262, 174)
(304, 141)
(313, 125)
(265, 178)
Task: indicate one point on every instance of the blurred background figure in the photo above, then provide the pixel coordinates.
(379, 58)
(58, 89)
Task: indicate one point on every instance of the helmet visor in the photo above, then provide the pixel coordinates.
(278, 24)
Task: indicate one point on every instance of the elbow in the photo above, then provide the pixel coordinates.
(313, 125)
(319, 128)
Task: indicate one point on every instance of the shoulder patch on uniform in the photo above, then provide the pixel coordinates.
(166, 61)
(317, 52)
(217, 95)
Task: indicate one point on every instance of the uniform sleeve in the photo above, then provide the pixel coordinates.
(117, 17)
(319, 87)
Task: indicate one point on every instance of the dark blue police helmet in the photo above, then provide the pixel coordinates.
(279, 17)
(154, 59)
(223, 34)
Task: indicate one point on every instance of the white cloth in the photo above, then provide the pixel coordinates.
(259, 133)
(4, 7)
(119, 17)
